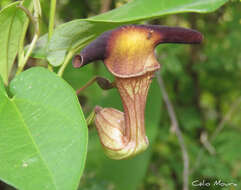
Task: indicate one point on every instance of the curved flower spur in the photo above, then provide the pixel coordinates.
(128, 53)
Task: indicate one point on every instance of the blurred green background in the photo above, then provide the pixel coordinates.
(204, 85)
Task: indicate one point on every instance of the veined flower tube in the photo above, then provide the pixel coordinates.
(128, 53)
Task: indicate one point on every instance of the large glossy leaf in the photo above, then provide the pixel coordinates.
(43, 133)
(76, 34)
(146, 9)
(12, 27)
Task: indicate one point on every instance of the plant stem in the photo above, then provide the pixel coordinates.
(90, 82)
(51, 18)
(51, 24)
(70, 54)
(66, 61)
(26, 57)
(35, 20)
(21, 41)
(102, 82)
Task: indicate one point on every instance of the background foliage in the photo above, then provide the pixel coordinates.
(203, 83)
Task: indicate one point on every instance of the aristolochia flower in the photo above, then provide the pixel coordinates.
(128, 53)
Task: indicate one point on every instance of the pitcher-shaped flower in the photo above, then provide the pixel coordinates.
(128, 53)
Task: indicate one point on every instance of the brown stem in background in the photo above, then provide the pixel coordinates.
(89, 83)
(177, 130)
(105, 5)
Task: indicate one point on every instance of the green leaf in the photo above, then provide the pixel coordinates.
(43, 133)
(13, 26)
(144, 9)
(226, 141)
(76, 34)
(73, 36)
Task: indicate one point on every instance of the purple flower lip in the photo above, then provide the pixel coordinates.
(100, 49)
